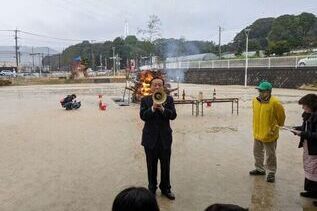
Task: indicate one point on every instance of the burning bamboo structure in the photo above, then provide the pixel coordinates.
(141, 84)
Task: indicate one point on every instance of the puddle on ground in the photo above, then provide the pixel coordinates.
(221, 129)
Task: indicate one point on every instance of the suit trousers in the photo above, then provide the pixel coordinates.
(152, 157)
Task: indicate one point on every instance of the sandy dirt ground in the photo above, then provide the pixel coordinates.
(52, 159)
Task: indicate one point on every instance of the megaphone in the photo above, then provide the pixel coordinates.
(159, 97)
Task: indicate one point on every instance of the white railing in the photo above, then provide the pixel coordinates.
(268, 62)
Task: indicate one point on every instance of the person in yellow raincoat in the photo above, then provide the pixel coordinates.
(268, 116)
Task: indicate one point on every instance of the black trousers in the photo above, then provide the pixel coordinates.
(152, 157)
(310, 185)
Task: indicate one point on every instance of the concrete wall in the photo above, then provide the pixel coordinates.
(280, 77)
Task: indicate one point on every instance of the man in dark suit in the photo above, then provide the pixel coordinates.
(157, 138)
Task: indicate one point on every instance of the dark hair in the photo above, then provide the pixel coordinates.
(135, 199)
(73, 96)
(157, 78)
(309, 100)
(225, 207)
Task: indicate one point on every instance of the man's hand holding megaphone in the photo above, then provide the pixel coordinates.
(157, 107)
(159, 97)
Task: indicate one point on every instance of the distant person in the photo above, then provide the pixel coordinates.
(70, 103)
(135, 199)
(157, 138)
(308, 140)
(268, 116)
(225, 207)
(14, 73)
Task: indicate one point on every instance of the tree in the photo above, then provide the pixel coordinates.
(131, 40)
(153, 29)
(259, 32)
(293, 29)
(306, 21)
(279, 47)
(299, 31)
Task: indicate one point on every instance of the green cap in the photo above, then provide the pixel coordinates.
(264, 86)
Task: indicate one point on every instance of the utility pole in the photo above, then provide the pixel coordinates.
(42, 64)
(100, 61)
(247, 31)
(92, 56)
(19, 54)
(114, 60)
(39, 54)
(220, 29)
(32, 54)
(59, 62)
(48, 57)
(16, 47)
(118, 59)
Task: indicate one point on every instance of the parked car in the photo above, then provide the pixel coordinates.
(8, 73)
(311, 60)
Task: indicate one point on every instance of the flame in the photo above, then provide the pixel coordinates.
(142, 86)
(145, 89)
(145, 79)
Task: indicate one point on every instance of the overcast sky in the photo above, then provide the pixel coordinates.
(105, 19)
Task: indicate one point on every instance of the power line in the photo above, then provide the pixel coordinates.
(42, 40)
(13, 52)
(6, 30)
(60, 39)
(46, 36)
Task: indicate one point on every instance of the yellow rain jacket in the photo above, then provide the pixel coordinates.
(266, 119)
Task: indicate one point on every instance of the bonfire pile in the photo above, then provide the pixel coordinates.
(79, 69)
(141, 84)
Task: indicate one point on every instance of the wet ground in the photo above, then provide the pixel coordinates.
(52, 159)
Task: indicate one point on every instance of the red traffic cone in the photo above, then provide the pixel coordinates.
(102, 106)
(208, 104)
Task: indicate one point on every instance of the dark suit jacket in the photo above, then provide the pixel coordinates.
(157, 124)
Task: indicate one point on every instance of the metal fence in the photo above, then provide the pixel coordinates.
(287, 61)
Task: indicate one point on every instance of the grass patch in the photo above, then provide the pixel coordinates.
(5, 82)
